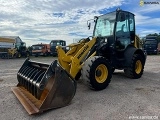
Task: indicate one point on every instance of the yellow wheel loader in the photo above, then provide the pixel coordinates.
(113, 45)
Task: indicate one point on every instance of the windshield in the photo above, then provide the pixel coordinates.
(55, 43)
(105, 25)
(37, 47)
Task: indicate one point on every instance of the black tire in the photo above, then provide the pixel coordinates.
(55, 55)
(91, 72)
(136, 68)
(78, 76)
(18, 55)
(113, 69)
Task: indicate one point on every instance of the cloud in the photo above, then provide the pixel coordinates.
(145, 20)
(146, 25)
(142, 32)
(148, 8)
(45, 20)
(50, 19)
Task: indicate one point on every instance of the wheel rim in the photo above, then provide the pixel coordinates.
(138, 66)
(101, 73)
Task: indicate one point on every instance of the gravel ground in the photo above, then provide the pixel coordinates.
(123, 99)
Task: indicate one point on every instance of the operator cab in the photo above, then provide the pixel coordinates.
(117, 29)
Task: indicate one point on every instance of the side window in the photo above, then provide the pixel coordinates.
(61, 43)
(122, 24)
(64, 43)
(131, 22)
(132, 27)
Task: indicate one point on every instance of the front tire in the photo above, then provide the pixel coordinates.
(18, 55)
(136, 68)
(78, 76)
(96, 72)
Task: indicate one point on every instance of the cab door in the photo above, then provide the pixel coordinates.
(125, 30)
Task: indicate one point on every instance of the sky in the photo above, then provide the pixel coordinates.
(40, 21)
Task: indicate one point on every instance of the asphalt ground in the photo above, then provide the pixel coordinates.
(123, 99)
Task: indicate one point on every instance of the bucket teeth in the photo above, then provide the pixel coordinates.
(29, 77)
(37, 80)
(30, 80)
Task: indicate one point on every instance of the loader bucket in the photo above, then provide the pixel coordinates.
(42, 86)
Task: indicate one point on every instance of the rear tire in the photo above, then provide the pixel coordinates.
(136, 68)
(113, 69)
(96, 72)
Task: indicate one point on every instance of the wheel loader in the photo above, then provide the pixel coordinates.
(113, 45)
